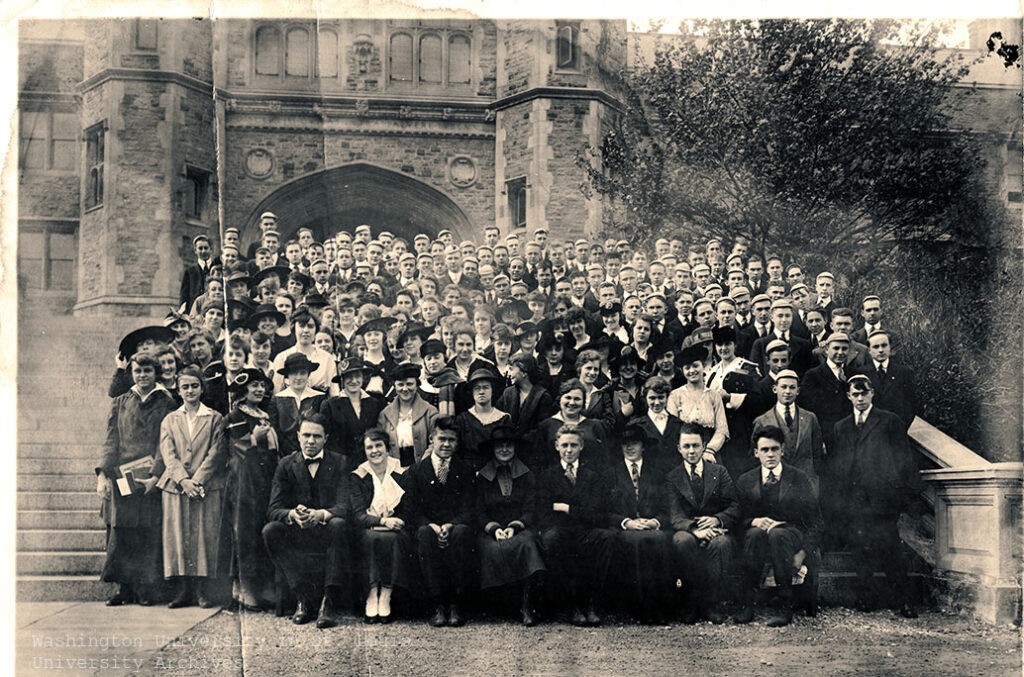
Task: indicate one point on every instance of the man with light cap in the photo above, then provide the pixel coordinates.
(362, 234)
(803, 446)
(268, 221)
(823, 388)
(741, 297)
(799, 348)
(824, 287)
(421, 243)
(801, 296)
(445, 236)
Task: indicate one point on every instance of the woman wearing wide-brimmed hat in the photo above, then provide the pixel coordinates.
(252, 459)
(384, 544)
(694, 402)
(133, 434)
(296, 400)
(144, 339)
(505, 501)
(409, 419)
(476, 423)
(352, 413)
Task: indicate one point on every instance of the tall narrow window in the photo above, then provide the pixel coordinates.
(268, 51)
(296, 53)
(327, 54)
(516, 190)
(430, 58)
(567, 49)
(400, 55)
(458, 60)
(196, 185)
(94, 142)
(61, 261)
(145, 33)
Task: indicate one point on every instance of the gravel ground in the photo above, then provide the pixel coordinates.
(838, 642)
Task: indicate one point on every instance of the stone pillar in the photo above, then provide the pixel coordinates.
(978, 539)
(148, 85)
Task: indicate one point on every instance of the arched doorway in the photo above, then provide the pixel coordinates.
(344, 197)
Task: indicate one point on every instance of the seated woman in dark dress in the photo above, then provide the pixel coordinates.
(505, 500)
(382, 540)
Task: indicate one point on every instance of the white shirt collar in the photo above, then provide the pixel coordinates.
(862, 415)
(629, 465)
(575, 465)
(319, 457)
(306, 394)
(777, 471)
(884, 365)
(699, 468)
(138, 393)
(781, 408)
(203, 410)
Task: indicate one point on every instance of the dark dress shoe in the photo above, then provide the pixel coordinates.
(440, 617)
(144, 601)
(177, 602)
(370, 620)
(593, 618)
(384, 620)
(578, 619)
(746, 614)
(205, 602)
(781, 618)
(713, 615)
(303, 612)
(455, 618)
(907, 611)
(123, 596)
(328, 617)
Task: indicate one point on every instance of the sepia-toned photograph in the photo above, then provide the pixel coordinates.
(419, 340)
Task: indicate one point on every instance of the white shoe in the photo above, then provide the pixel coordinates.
(384, 602)
(371, 603)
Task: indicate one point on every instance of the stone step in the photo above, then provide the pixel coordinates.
(64, 435)
(56, 483)
(57, 465)
(60, 519)
(74, 540)
(65, 500)
(60, 562)
(69, 588)
(86, 448)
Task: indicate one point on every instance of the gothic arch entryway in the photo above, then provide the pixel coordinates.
(346, 196)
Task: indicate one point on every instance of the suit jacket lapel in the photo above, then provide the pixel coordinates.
(683, 484)
(301, 473)
(710, 483)
(870, 423)
(802, 424)
(784, 482)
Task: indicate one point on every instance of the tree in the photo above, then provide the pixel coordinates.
(811, 136)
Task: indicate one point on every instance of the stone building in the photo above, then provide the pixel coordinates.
(138, 135)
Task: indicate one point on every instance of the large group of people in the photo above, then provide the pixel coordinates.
(582, 424)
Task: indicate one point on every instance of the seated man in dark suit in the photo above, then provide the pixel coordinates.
(636, 511)
(570, 513)
(439, 492)
(308, 504)
(781, 521)
(893, 383)
(872, 457)
(702, 508)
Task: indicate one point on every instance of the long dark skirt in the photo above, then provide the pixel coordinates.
(385, 556)
(509, 561)
(134, 544)
(245, 513)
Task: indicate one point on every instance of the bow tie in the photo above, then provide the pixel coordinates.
(311, 461)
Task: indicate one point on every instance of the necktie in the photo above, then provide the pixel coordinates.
(635, 473)
(859, 418)
(571, 474)
(760, 330)
(442, 472)
(842, 375)
(697, 483)
(881, 371)
(772, 479)
(789, 416)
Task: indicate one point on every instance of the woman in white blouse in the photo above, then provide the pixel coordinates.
(693, 402)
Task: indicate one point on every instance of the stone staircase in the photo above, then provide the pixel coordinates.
(64, 369)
